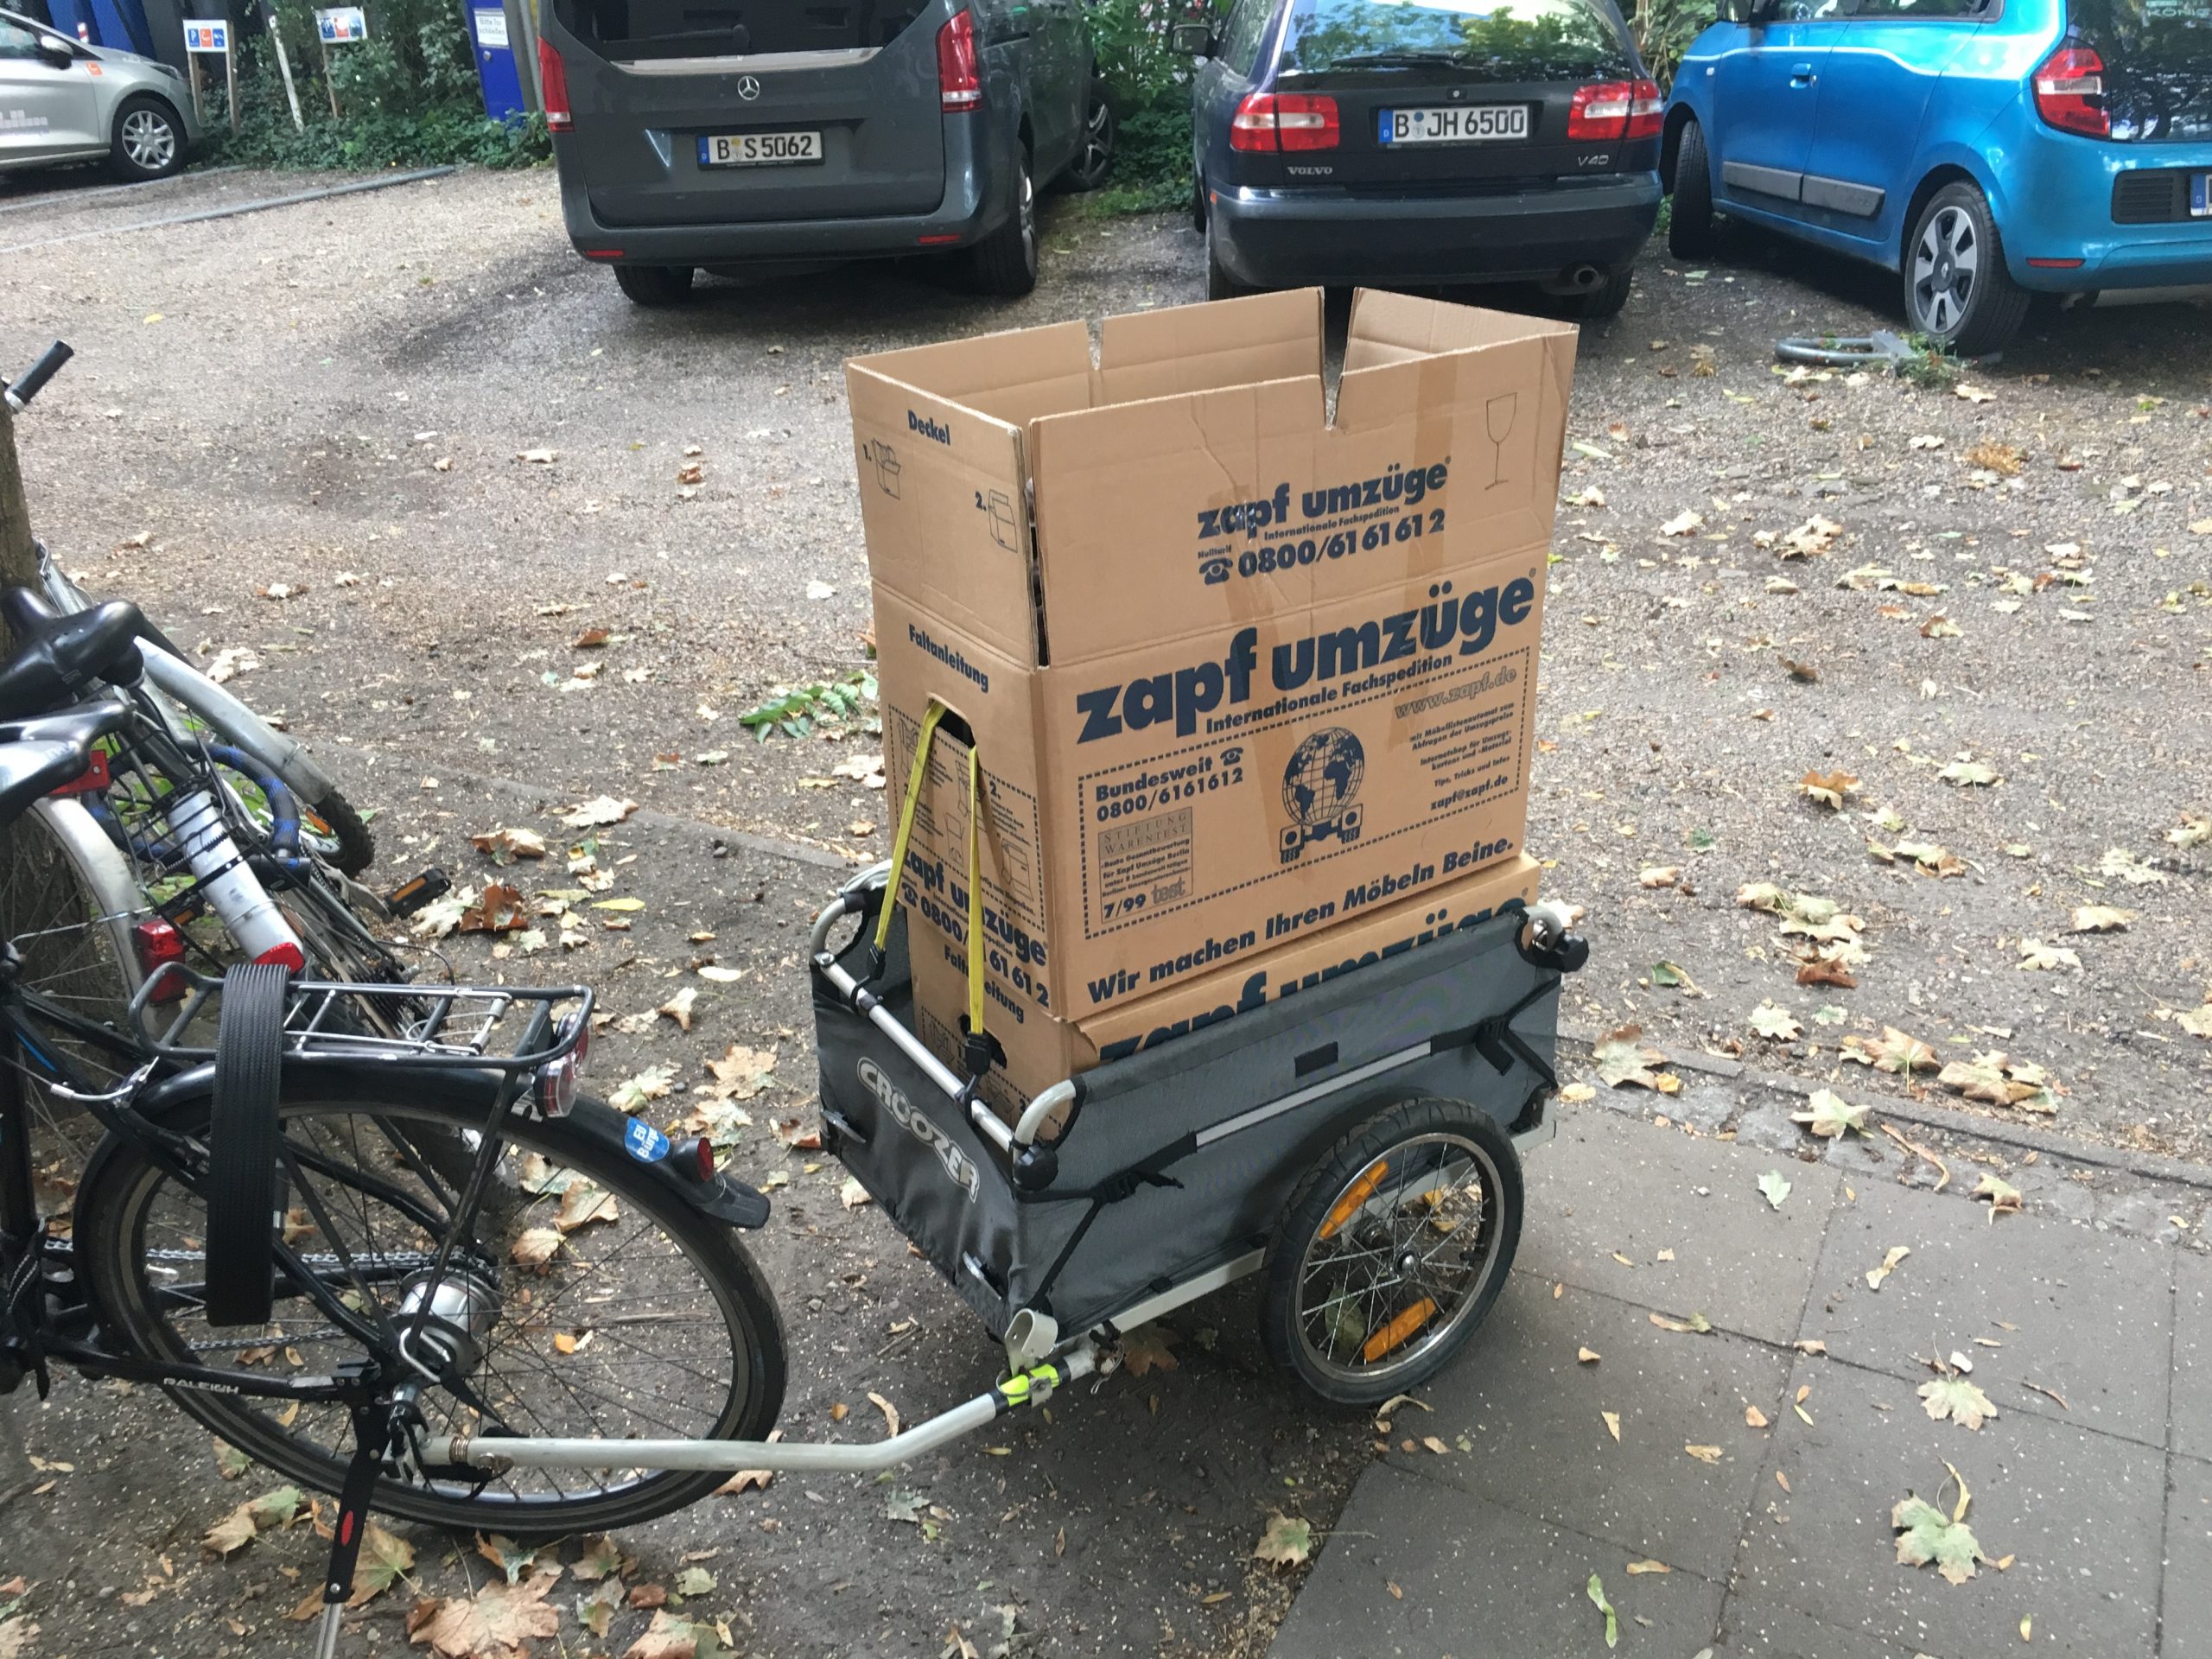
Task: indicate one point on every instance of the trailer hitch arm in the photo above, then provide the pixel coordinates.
(491, 1455)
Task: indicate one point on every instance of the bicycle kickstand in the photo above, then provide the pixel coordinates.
(373, 1427)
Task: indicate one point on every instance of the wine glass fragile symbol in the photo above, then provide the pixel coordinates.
(1498, 416)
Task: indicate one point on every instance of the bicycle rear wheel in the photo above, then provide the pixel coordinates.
(606, 1306)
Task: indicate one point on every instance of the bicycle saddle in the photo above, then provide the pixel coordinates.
(57, 658)
(29, 771)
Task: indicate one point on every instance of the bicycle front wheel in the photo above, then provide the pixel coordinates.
(601, 1304)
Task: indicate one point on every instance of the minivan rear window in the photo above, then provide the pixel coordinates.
(1516, 40)
(626, 30)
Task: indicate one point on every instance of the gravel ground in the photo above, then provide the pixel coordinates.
(333, 401)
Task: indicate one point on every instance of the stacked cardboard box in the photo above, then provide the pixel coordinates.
(1246, 673)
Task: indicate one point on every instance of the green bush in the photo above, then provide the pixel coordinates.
(407, 96)
(375, 138)
(1664, 31)
(1150, 84)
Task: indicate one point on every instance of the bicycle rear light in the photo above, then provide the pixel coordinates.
(581, 1052)
(556, 1086)
(160, 946)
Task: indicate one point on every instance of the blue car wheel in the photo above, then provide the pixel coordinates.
(1957, 291)
(1689, 228)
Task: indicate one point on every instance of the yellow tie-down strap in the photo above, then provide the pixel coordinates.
(930, 720)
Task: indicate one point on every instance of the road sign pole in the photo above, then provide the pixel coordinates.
(199, 105)
(231, 83)
(328, 85)
(284, 64)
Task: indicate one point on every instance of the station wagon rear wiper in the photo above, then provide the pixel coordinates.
(1400, 58)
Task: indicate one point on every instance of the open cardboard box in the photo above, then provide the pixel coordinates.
(1239, 665)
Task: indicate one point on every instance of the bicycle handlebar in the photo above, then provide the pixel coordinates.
(34, 380)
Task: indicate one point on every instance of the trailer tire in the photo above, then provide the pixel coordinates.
(1440, 1147)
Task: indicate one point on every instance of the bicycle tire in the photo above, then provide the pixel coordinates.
(231, 720)
(356, 847)
(1336, 1193)
(119, 1196)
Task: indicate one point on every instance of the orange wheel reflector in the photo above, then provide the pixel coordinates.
(1399, 1332)
(1360, 1191)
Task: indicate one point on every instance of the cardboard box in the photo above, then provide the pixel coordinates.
(1041, 1051)
(1238, 667)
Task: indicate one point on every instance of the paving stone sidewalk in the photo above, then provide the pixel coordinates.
(2093, 1479)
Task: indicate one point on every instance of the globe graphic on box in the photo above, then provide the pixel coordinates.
(1323, 776)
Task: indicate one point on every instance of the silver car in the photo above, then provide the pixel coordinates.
(63, 101)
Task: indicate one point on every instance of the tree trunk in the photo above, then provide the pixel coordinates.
(18, 558)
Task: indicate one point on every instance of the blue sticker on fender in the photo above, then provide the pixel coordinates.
(645, 1143)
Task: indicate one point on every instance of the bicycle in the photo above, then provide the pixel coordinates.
(259, 1233)
(91, 877)
(339, 833)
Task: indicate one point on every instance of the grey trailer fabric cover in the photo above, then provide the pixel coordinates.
(1184, 1155)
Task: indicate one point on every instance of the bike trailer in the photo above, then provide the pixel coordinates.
(1167, 1173)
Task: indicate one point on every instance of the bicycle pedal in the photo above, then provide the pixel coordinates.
(411, 895)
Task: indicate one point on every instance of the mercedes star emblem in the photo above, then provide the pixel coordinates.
(748, 87)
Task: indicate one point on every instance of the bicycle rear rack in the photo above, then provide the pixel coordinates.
(452, 1026)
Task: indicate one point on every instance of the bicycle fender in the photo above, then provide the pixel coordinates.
(725, 1198)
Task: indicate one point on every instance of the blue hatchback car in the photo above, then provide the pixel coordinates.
(1987, 151)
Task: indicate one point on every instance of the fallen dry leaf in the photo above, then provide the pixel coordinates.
(2000, 1193)
(1286, 1542)
(1827, 788)
(507, 844)
(498, 1621)
(1895, 1254)
(501, 910)
(598, 812)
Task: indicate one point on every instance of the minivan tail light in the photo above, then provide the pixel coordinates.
(1273, 121)
(553, 88)
(1606, 111)
(959, 78)
(2070, 92)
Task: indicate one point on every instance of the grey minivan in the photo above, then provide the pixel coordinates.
(739, 135)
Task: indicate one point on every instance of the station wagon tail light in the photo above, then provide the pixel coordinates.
(553, 88)
(1273, 121)
(2070, 92)
(1646, 110)
(959, 80)
(1607, 110)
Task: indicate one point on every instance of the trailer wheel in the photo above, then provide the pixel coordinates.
(1392, 1251)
